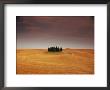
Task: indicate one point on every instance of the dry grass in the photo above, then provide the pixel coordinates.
(40, 61)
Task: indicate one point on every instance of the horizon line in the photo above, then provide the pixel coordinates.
(47, 48)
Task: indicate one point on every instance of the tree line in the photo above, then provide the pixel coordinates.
(55, 49)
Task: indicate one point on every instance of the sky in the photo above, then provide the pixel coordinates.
(64, 31)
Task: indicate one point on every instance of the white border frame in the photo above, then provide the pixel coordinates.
(99, 79)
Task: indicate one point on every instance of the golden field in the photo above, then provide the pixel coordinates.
(69, 61)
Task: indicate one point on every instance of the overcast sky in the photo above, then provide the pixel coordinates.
(45, 31)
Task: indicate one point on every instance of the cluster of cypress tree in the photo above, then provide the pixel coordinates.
(54, 49)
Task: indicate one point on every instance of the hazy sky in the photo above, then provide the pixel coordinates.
(45, 31)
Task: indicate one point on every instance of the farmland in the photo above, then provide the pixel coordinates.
(69, 61)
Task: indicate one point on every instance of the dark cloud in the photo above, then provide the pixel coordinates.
(69, 31)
